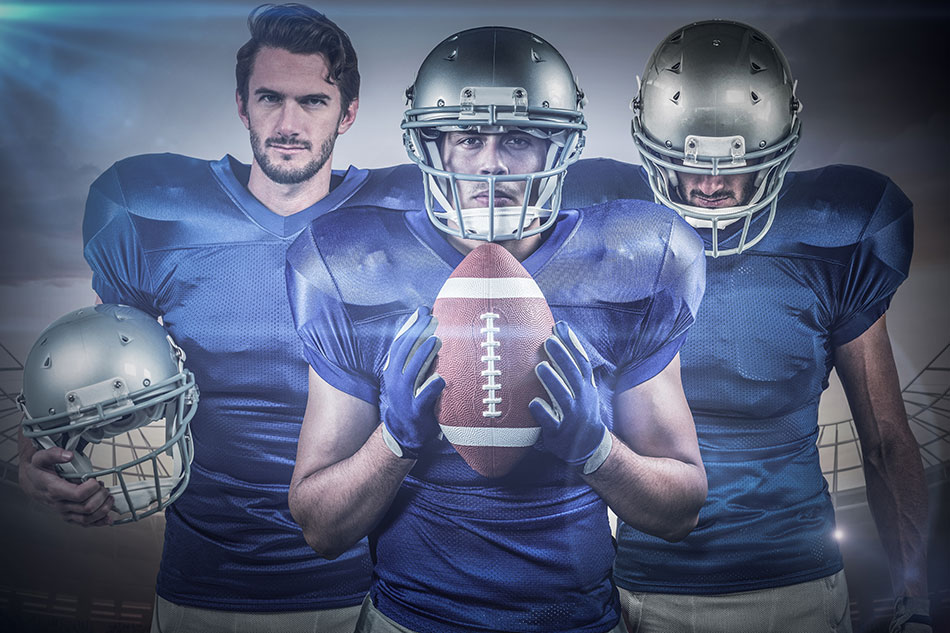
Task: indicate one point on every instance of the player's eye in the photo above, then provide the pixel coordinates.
(314, 102)
(470, 141)
(517, 142)
(268, 98)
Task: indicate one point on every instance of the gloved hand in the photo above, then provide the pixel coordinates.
(570, 423)
(911, 615)
(408, 396)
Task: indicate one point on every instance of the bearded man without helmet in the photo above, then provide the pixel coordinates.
(202, 245)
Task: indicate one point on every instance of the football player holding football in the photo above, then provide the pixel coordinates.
(202, 245)
(801, 268)
(494, 121)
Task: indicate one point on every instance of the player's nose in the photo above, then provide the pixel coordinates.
(709, 185)
(491, 159)
(288, 120)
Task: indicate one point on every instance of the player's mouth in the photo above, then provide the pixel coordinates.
(502, 199)
(288, 149)
(717, 200)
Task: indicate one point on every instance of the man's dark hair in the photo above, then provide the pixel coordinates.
(301, 30)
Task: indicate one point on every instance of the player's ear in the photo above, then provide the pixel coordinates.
(242, 109)
(348, 116)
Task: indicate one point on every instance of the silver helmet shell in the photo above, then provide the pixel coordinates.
(491, 80)
(718, 98)
(107, 383)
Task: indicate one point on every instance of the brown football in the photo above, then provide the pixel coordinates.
(493, 321)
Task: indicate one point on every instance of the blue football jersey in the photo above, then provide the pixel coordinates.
(754, 368)
(530, 551)
(184, 239)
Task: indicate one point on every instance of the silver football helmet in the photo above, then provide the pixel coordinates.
(107, 383)
(718, 98)
(493, 80)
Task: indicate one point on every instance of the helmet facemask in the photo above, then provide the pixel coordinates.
(129, 432)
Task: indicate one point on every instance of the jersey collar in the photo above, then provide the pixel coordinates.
(421, 226)
(233, 176)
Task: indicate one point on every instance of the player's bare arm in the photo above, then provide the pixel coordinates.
(345, 477)
(653, 477)
(895, 479)
(347, 474)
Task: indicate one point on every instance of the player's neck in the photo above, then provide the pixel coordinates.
(287, 200)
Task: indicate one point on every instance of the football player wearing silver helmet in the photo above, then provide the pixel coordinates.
(494, 121)
(108, 385)
(801, 268)
(532, 96)
(716, 121)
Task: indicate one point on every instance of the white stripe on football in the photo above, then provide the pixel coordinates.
(490, 288)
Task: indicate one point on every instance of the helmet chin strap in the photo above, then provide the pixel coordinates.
(141, 494)
(507, 220)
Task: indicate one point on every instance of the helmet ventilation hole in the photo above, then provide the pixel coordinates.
(755, 97)
(676, 97)
(47, 362)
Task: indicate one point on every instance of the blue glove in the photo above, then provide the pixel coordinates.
(911, 615)
(408, 399)
(570, 423)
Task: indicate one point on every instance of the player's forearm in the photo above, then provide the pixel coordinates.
(897, 497)
(658, 495)
(338, 505)
(897, 494)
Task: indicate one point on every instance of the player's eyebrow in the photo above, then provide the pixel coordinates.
(316, 95)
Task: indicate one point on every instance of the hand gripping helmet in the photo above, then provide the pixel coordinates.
(492, 80)
(107, 383)
(718, 98)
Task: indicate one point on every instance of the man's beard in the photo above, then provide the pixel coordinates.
(741, 194)
(285, 176)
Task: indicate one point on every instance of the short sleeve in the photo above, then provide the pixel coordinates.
(322, 323)
(112, 248)
(676, 295)
(878, 265)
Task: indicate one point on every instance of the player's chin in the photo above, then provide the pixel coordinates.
(717, 203)
(301, 158)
